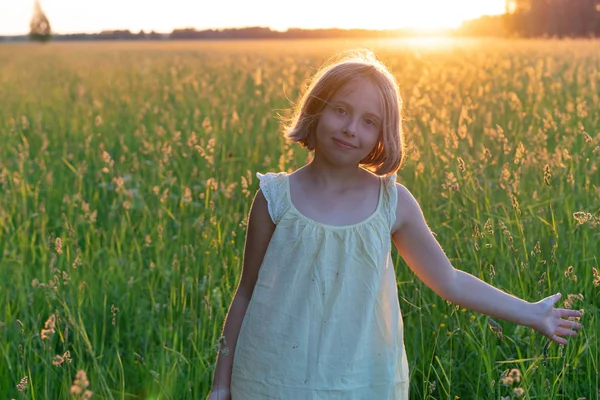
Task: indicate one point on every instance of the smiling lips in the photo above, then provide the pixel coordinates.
(344, 144)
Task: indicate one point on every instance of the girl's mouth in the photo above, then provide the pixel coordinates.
(343, 144)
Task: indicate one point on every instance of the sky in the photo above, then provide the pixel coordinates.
(91, 16)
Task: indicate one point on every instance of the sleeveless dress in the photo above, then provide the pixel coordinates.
(324, 320)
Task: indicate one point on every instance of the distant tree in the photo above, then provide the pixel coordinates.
(39, 27)
(559, 18)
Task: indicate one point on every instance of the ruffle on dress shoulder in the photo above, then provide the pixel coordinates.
(273, 187)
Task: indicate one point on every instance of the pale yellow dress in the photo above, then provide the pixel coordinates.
(324, 320)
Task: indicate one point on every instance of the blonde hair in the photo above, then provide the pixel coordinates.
(386, 157)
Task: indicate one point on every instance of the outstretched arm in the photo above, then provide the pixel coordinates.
(421, 251)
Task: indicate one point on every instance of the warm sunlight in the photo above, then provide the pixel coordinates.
(69, 16)
(432, 14)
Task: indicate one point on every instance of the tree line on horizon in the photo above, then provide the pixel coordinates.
(523, 18)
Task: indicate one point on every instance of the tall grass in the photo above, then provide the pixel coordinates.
(127, 170)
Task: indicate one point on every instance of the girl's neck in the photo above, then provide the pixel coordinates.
(332, 176)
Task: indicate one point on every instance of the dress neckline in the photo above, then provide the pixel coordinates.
(328, 226)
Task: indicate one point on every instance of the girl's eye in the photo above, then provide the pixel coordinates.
(340, 110)
(371, 122)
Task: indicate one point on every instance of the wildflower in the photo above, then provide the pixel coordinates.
(572, 298)
(496, 328)
(59, 360)
(432, 387)
(519, 154)
(80, 384)
(492, 270)
(451, 183)
(596, 277)
(570, 274)
(49, 327)
(515, 203)
(66, 278)
(515, 374)
(245, 186)
(187, 196)
(582, 217)
(77, 261)
(114, 310)
(547, 175)
(58, 245)
(504, 175)
(518, 392)
(488, 226)
(22, 386)
(506, 380)
(107, 158)
(164, 195)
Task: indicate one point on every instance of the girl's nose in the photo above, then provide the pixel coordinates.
(350, 129)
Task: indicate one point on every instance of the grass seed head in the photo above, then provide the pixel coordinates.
(49, 327)
(22, 386)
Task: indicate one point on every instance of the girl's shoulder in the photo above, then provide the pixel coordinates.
(390, 198)
(406, 206)
(273, 186)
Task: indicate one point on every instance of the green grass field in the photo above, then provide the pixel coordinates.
(127, 171)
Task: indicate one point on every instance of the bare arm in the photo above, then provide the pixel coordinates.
(421, 251)
(258, 235)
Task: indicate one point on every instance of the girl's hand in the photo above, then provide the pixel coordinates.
(552, 323)
(219, 394)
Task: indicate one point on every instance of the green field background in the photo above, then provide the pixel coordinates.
(127, 172)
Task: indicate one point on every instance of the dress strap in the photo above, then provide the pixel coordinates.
(273, 186)
(390, 199)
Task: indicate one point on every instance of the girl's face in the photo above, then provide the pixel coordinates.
(350, 124)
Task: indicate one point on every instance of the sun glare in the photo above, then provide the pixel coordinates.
(440, 14)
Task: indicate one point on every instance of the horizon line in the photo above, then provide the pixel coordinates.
(411, 29)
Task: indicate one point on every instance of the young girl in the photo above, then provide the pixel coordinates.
(316, 313)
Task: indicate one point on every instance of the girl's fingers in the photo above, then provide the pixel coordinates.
(564, 332)
(564, 313)
(558, 340)
(570, 324)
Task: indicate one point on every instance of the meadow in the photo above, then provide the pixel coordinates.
(127, 172)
